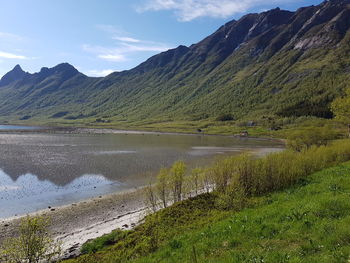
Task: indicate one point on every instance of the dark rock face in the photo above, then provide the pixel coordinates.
(14, 75)
(63, 70)
(328, 25)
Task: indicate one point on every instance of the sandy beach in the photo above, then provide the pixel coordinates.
(79, 222)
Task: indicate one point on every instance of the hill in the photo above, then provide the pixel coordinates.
(277, 63)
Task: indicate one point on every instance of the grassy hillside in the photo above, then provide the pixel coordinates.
(276, 64)
(307, 221)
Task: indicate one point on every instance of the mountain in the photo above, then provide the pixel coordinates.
(15, 74)
(277, 63)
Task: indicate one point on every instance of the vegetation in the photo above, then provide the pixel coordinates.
(106, 240)
(304, 139)
(33, 245)
(244, 219)
(305, 223)
(267, 80)
(341, 109)
(225, 117)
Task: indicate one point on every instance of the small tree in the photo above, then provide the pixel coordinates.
(206, 180)
(177, 173)
(33, 245)
(341, 109)
(222, 172)
(162, 186)
(195, 179)
(151, 197)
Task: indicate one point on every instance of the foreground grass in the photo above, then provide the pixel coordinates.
(306, 223)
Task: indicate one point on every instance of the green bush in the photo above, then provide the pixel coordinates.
(34, 243)
(303, 139)
(225, 117)
(275, 171)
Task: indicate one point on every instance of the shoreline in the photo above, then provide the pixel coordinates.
(79, 222)
(101, 130)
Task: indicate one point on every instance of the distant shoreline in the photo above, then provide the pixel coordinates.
(89, 130)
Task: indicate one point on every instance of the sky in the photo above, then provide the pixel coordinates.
(102, 36)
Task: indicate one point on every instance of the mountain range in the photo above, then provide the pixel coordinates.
(276, 63)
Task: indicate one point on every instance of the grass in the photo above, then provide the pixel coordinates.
(286, 126)
(307, 222)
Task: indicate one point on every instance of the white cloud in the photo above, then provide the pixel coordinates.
(99, 73)
(113, 57)
(125, 47)
(145, 47)
(9, 36)
(105, 53)
(11, 56)
(127, 39)
(187, 10)
(110, 29)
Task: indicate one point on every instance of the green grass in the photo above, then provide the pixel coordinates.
(106, 240)
(303, 224)
(306, 223)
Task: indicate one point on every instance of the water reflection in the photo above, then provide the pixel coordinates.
(46, 168)
(28, 193)
(63, 158)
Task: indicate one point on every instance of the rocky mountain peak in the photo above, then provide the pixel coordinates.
(15, 74)
(267, 20)
(65, 68)
(337, 1)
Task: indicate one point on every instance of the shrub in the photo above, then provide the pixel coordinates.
(151, 197)
(194, 180)
(33, 245)
(250, 177)
(236, 178)
(177, 173)
(162, 186)
(225, 117)
(304, 139)
(222, 172)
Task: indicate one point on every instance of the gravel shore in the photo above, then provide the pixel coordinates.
(79, 222)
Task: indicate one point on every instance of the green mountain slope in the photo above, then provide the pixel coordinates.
(274, 63)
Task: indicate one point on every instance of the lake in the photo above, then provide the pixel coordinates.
(18, 128)
(38, 170)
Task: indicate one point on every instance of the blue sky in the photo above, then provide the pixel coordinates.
(101, 36)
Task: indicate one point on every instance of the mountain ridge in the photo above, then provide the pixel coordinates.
(278, 63)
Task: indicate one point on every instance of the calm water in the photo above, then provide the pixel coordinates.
(16, 128)
(41, 170)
